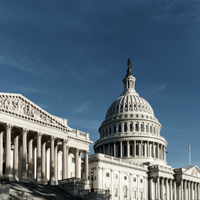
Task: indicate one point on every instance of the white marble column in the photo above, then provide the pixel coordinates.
(8, 151)
(19, 161)
(52, 162)
(153, 153)
(128, 149)
(158, 188)
(185, 189)
(162, 189)
(43, 159)
(157, 150)
(189, 190)
(30, 159)
(170, 190)
(114, 149)
(99, 175)
(120, 149)
(141, 154)
(1, 153)
(148, 152)
(167, 188)
(77, 164)
(24, 155)
(38, 171)
(86, 164)
(56, 163)
(164, 153)
(174, 190)
(134, 149)
(195, 190)
(150, 188)
(15, 158)
(64, 161)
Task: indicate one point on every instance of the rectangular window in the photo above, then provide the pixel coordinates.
(107, 174)
(125, 127)
(116, 192)
(134, 179)
(141, 195)
(131, 127)
(141, 181)
(114, 129)
(73, 160)
(134, 194)
(125, 150)
(120, 128)
(116, 176)
(131, 150)
(136, 127)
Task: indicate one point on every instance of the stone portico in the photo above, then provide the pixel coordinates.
(28, 133)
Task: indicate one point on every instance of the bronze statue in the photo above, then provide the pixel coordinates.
(129, 63)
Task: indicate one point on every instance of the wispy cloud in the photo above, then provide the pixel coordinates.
(154, 89)
(83, 107)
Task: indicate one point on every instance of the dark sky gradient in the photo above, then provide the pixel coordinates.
(70, 57)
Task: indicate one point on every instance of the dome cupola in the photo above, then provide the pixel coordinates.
(130, 130)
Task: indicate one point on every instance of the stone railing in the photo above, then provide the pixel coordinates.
(117, 161)
(162, 167)
(79, 134)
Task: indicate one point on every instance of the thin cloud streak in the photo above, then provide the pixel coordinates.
(82, 108)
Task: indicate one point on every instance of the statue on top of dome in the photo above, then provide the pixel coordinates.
(129, 67)
(129, 63)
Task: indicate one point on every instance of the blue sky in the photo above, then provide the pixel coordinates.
(70, 57)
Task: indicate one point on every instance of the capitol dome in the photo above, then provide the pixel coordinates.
(130, 130)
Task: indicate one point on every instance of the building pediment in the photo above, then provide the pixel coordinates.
(193, 170)
(18, 105)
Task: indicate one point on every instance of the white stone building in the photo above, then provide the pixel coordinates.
(130, 156)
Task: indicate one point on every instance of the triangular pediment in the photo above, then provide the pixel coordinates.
(18, 105)
(192, 170)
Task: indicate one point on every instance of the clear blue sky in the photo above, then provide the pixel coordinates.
(70, 57)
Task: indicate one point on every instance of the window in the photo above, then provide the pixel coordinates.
(141, 195)
(114, 129)
(137, 149)
(120, 128)
(107, 175)
(106, 132)
(125, 178)
(110, 130)
(136, 127)
(125, 192)
(141, 181)
(125, 128)
(142, 127)
(147, 128)
(150, 129)
(134, 179)
(134, 194)
(131, 127)
(131, 150)
(73, 160)
(116, 192)
(125, 150)
(116, 176)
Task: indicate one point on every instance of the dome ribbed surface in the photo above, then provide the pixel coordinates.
(129, 104)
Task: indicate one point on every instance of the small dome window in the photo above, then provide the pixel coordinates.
(125, 178)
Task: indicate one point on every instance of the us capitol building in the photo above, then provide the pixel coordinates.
(129, 159)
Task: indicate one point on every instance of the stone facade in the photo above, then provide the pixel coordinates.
(130, 156)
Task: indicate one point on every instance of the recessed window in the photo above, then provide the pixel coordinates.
(120, 128)
(114, 129)
(116, 176)
(134, 179)
(141, 181)
(125, 178)
(131, 127)
(125, 192)
(116, 192)
(73, 160)
(107, 174)
(125, 106)
(125, 127)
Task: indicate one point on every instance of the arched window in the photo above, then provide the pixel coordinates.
(142, 127)
(125, 191)
(147, 128)
(150, 129)
(131, 127)
(136, 127)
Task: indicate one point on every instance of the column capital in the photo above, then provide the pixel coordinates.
(39, 135)
(66, 140)
(86, 152)
(52, 138)
(8, 126)
(24, 131)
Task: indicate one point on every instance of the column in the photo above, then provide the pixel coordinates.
(145, 149)
(30, 159)
(141, 149)
(20, 161)
(52, 162)
(157, 150)
(64, 161)
(164, 152)
(162, 188)
(102, 175)
(181, 197)
(174, 190)
(189, 189)
(158, 188)
(109, 149)
(185, 189)
(120, 149)
(128, 149)
(148, 154)
(86, 164)
(15, 158)
(111, 185)
(130, 186)
(8, 151)
(77, 164)
(43, 159)
(151, 188)
(24, 155)
(114, 149)
(38, 171)
(170, 190)
(56, 163)
(1, 153)
(134, 148)
(99, 175)
(195, 190)
(153, 153)
(167, 189)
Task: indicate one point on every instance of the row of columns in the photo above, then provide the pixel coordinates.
(171, 190)
(139, 149)
(130, 126)
(21, 159)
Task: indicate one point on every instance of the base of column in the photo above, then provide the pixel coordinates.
(25, 179)
(39, 181)
(9, 176)
(52, 182)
